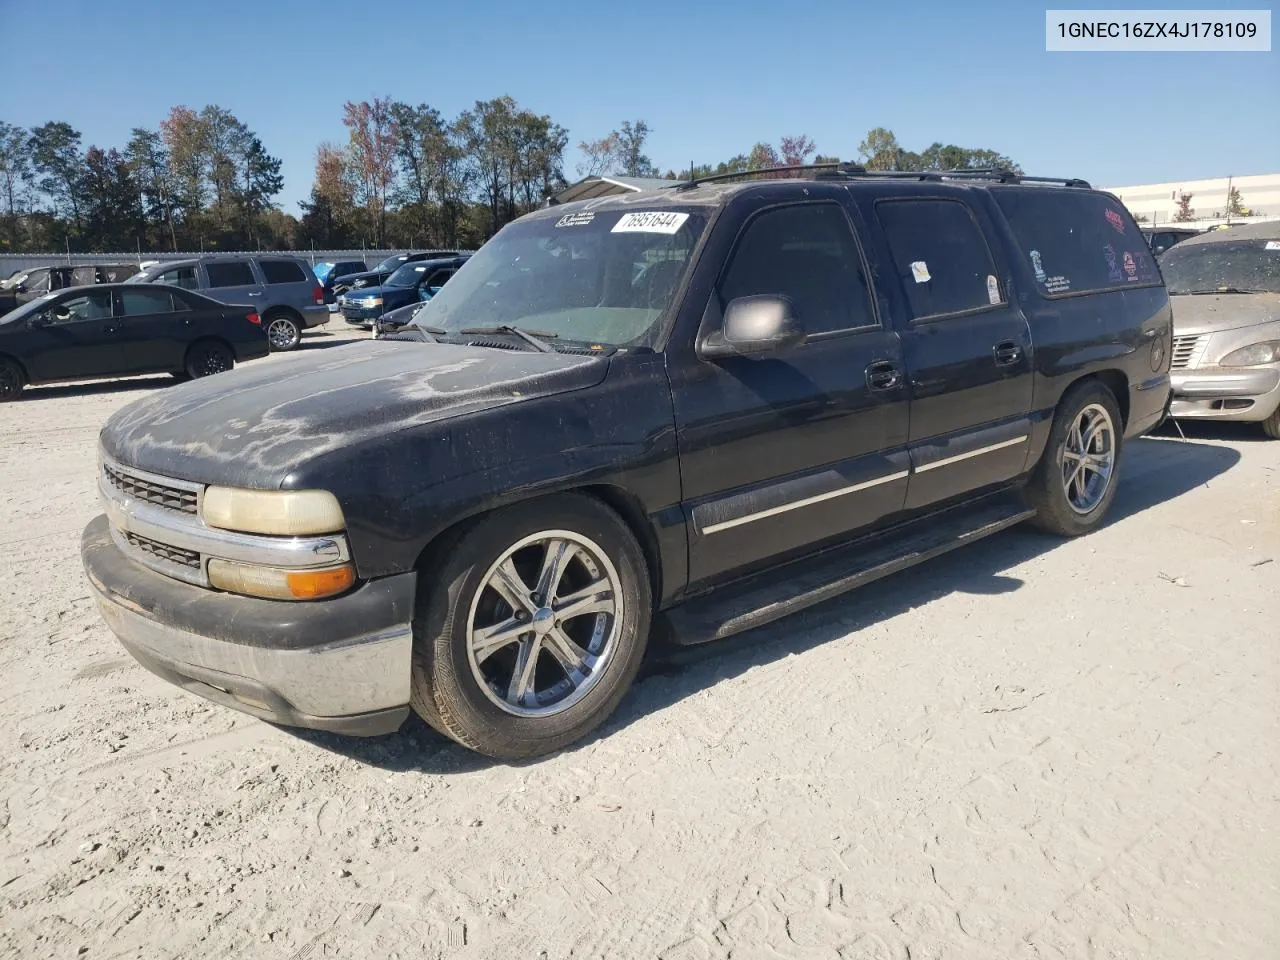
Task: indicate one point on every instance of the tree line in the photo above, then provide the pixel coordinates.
(406, 176)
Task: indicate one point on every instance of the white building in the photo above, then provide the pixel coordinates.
(1158, 202)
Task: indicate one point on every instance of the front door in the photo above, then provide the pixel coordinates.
(783, 451)
(233, 281)
(72, 339)
(967, 350)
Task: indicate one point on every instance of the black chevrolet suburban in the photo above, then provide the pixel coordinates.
(688, 411)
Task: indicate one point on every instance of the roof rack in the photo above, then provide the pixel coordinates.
(852, 171)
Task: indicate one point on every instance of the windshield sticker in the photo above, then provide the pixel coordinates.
(1057, 284)
(1115, 220)
(575, 219)
(1130, 266)
(993, 289)
(650, 222)
(1113, 265)
(920, 270)
(1037, 266)
(1272, 245)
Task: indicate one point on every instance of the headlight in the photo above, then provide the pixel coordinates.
(287, 513)
(274, 583)
(371, 302)
(1252, 355)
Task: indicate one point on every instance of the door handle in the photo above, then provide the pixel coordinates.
(1007, 353)
(884, 375)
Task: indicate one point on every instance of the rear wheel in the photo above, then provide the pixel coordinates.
(283, 333)
(532, 628)
(11, 380)
(207, 357)
(1074, 483)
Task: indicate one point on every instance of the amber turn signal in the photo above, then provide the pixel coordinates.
(274, 583)
(313, 584)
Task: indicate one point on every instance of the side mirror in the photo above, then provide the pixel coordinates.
(20, 288)
(755, 325)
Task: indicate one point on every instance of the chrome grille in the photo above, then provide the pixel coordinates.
(158, 493)
(1186, 351)
(188, 558)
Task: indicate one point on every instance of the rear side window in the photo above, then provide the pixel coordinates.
(1076, 242)
(940, 255)
(141, 303)
(184, 277)
(282, 271)
(230, 273)
(806, 253)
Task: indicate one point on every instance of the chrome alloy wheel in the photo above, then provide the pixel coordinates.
(1089, 458)
(544, 623)
(283, 334)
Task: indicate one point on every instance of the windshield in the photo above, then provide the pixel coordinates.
(591, 277)
(1249, 265)
(406, 276)
(390, 263)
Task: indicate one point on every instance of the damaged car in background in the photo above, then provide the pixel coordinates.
(1225, 291)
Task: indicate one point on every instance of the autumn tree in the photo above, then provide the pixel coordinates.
(599, 156)
(795, 151)
(186, 139)
(149, 163)
(15, 174)
(58, 165)
(1235, 204)
(374, 139)
(1185, 211)
(111, 201)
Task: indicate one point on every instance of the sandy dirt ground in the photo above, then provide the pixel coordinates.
(1028, 749)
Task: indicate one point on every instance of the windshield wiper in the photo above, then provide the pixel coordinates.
(538, 339)
(1211, 293)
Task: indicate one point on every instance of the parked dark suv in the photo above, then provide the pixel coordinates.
(707, 406)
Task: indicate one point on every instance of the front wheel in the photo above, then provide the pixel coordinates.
(11, 380)
(1074, 483)
(1271, 425)
(532, 627)
(283, 333)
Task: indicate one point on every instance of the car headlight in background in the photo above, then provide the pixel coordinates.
(1252, 355)
(286, 513)
(370, 302)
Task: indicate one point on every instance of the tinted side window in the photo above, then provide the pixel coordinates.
(282, 271)
(806, 253)
(940, 255)
(140, 303)
(93, 306)
(184, 277)
(1077, 242)
(230, 273)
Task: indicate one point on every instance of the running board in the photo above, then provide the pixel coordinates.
(774, 594)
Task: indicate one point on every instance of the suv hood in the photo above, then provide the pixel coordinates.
(254, 426)
(367, 276)
(1216, 312)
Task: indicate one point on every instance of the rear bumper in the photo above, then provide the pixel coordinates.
(341, 665)
(315, 315)
(1148, 405)
(1227, 393)
(251, 349)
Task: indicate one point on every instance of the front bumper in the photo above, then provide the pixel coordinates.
(1226, 393)
(341, 665)
(360, 316)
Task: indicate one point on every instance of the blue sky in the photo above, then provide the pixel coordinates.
(710, 78)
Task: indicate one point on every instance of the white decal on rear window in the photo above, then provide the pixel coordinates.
(1037, 265)
(1057, 284)
(1272, 245)
(920, 270)
(650, 222)
(993, 289)
(575, 219)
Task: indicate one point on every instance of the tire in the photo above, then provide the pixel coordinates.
(1271, 425)
(1068, 507)
(283, 333)
(486, 702)
(207, 357)
(12, 380)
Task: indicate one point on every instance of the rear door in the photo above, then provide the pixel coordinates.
(154, 326)
(783, 451)
(232, 281)
(967, 347)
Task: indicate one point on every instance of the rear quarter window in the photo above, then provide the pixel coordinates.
(282, 271)
(230, 273)
(1077, 242)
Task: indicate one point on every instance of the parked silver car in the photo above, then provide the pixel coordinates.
(1224, 287)
(282, 287)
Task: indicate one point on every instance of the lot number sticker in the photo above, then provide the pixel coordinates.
(1273, 245)
(650, 222)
